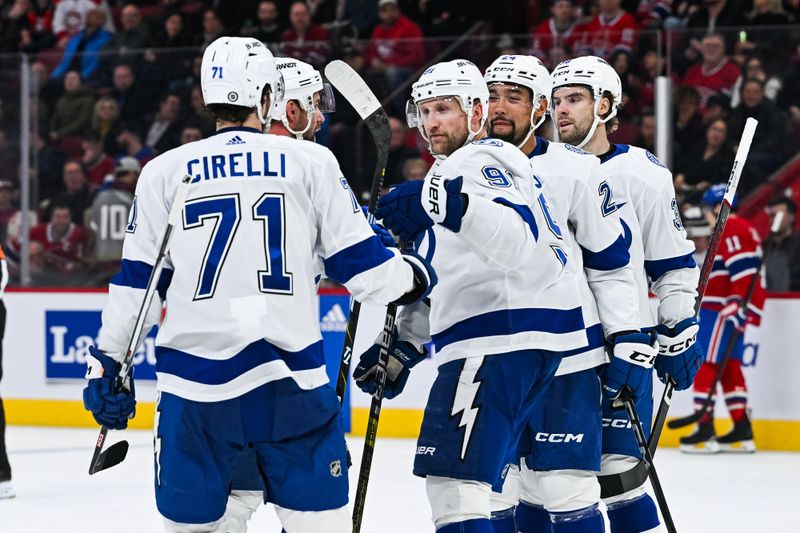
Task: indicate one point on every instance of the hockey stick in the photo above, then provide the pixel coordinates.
(101, 460)
(352, 87)
(616, 484)
(349, 83)
(708, 403)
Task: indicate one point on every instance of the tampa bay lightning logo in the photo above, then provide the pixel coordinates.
(576, 149)
(489, 142)
(676, 215)
(653, 159)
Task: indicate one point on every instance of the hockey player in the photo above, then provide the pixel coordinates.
(239, 351)
(504, 309)
(721, 313)
(558, 485)
(586, 95)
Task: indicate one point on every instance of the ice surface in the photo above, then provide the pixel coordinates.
(722, 493)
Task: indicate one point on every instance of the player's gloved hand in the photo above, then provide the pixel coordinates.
(679, 355)
(425, 278)
(735, 315)
(402, 358)
(109, 408)
(383, 234)
(414, 206)
(632, 362)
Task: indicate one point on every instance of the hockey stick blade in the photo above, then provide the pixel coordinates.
(113, 456)
(349, 83)
(693, 418)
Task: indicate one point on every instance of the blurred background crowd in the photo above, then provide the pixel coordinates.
(113, 84)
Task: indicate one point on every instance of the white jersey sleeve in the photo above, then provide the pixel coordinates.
(668, 254)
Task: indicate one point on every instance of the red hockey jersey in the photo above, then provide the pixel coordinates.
(545, 36)
(603, 37)
(734, 266)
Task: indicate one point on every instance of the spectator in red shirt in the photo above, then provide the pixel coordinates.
(716, 74)
(611, 30)
(396, 48)
(96, 163)
(561, 29)
(303, 40)
(63, 241)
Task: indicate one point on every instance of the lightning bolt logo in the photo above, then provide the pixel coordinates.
(466, 391)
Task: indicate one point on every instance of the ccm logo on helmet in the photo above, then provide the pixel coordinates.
(557, 438)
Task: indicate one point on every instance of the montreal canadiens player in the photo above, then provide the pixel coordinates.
(586, 95)
(503, 310)
(560, 447)
(721, 312)
(240, 360)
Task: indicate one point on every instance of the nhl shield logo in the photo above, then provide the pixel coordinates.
(336, 468)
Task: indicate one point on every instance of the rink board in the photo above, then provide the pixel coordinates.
(47, 333)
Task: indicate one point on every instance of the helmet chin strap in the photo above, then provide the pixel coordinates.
(597, 120)
(534, 124)
(297, 134)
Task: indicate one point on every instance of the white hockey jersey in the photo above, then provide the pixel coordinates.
(240, 287)
(642, 191)
(502, 278)
(608, 292)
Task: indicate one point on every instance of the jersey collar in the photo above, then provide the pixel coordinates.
(237, 128)
(541, 147)
(616, 149)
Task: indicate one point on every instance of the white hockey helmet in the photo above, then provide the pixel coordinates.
(525, 71)
(596, 74)
(301, 82)
(458, 78)
(235, 70)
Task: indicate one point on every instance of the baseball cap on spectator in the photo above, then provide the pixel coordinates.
(382, 3)
(127, 164)
(695, 223)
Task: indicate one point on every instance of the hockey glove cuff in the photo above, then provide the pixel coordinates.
(679, 355)
(631, 365)
(109, 407)
(382, 233)
(443, 201)
(735, 315)
(402, 358)
(414, 206)
(425, 279)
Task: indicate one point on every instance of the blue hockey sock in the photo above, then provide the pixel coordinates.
(532, 518)
(503, 521)
(633, 516)
(479, 525)
(586, 520)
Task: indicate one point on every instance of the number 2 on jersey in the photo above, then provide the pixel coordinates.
(608, 206)
(224, 210)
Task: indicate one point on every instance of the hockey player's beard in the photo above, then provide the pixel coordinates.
(510, 136)
(439, 146)
(575, 135)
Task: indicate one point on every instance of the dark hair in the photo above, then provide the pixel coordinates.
(791, 206)
(753, 80)
(613, 124)
(233, 113)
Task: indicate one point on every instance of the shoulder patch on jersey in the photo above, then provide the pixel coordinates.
(576, 149)
(653, 159)
(488, 142)
(676, 215)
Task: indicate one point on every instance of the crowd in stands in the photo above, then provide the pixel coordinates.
(116, 84)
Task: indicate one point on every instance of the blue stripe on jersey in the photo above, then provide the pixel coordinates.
(136, 274)
(431, 236)
(740, 265)
(596, 340)
(525, 212)
(541, 147)
(615, 256)
(237, 128)
(353, 260)
(657, 268)
(218, 371)
(718, 264)
(509, 322)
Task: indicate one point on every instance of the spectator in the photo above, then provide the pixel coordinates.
(561, 29)
(108, 216)
(717, 107)
(689, 129)
(73, 112)
(132, 98)
(50, 160)
(716, 74)
(647, 131)
(63, 241)
(130, 143)
(446, 18)
(133, 35)
(415, 169)
(76, 194)
(714, 14)
(361, 14)
(611, 30)
(212, 28)
(396, 48)
(165, 129)
(765, 152)
(96, 163)
(697, 230)
(754, 68)
(399, 152)
(197, 114)
(269, 28)
(70, 16)
(83, 49)
(303, 40)
(191, 134)
(767, 13)
(165, 61)
(783, 266)
(106, 123)
(9, 159)
(29, 27)
(703, 165)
